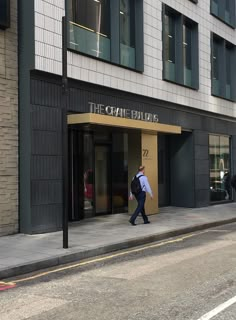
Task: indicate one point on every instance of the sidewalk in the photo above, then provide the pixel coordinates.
(22, 253)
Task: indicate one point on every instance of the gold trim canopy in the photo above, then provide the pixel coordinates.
(105, 120)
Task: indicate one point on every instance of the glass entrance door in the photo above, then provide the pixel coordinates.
(102, 179)
(98, 173)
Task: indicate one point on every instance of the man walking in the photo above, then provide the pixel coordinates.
(140, 196)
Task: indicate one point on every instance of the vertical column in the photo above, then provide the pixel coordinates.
(134, 161)
(149, 160)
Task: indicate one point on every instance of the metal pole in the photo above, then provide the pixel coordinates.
(64, 135)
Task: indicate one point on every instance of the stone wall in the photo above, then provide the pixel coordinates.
(9, 127)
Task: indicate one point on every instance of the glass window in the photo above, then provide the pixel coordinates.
(223, 54)
(127, 33)
(90, 28)
(108, 30)
(215, 7)
(227, 11)
(169, 50)
(187, 54)
(224, 10)
(180, 48)
(215, 67)
(228, 66)
(220, 176)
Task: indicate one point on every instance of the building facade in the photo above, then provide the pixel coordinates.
(148, 81)
(8, 118)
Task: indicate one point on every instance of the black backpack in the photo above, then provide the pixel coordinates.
(135, 185)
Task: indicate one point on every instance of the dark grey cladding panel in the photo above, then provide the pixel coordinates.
(234, 141)
(44, 118)
(46, 167)
(185, 119)
(201, 167)
(202, 182)
(46, 143)
(202, 198)
(201, 138)
(221, 126)
(201, 152)
(79, 100)
(208, 124)
(46, 218)
(46, 93)
(46, 192)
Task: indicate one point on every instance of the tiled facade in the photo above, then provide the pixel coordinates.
(9, 127)
(42, 100)
(48, 14)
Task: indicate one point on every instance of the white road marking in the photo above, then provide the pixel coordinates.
(218, 309)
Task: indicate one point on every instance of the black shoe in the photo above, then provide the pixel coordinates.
(146, 222)
(131, 222)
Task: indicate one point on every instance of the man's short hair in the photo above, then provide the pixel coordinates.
(141, 168)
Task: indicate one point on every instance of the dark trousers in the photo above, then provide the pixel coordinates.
(141, 198)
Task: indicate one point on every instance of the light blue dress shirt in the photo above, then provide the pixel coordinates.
(144, 184)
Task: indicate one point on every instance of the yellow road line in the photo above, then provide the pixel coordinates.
(115, 255)
(2, 283)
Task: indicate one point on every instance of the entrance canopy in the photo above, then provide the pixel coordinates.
(105, 120)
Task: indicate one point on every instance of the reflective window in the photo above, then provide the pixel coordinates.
(215, 67)
(127, 33)
(90, 27)
(169, 49)
(187, 54)
(180, 48)
(108, 30)
(224, 10)
(220, 175)
(228, 64)
(223, 66)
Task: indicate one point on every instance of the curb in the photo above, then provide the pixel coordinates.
(81, 255)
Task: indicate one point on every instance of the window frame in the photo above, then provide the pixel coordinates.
(115, 35)
(181, 20)
(212, 169)
(221, 12)
(223, 45)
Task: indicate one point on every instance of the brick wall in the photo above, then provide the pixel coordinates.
(9, 127)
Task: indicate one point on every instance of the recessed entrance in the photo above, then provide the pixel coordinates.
(98, 172)
(104, 154)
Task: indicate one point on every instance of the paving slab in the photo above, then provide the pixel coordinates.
(22, 253)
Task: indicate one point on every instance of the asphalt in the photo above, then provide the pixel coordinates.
(21, 253)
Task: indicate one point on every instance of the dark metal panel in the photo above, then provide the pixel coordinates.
(202, 187)
(46, 167)
(46, 143)
(45, 218)
(202, 167)
(182, 170)
(202, 198)
(46, 192)
(26, 51)
(201, 152)
(46, 93)
(44, 118)
(202, 183)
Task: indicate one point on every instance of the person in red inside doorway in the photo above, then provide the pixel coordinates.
(139, 187)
